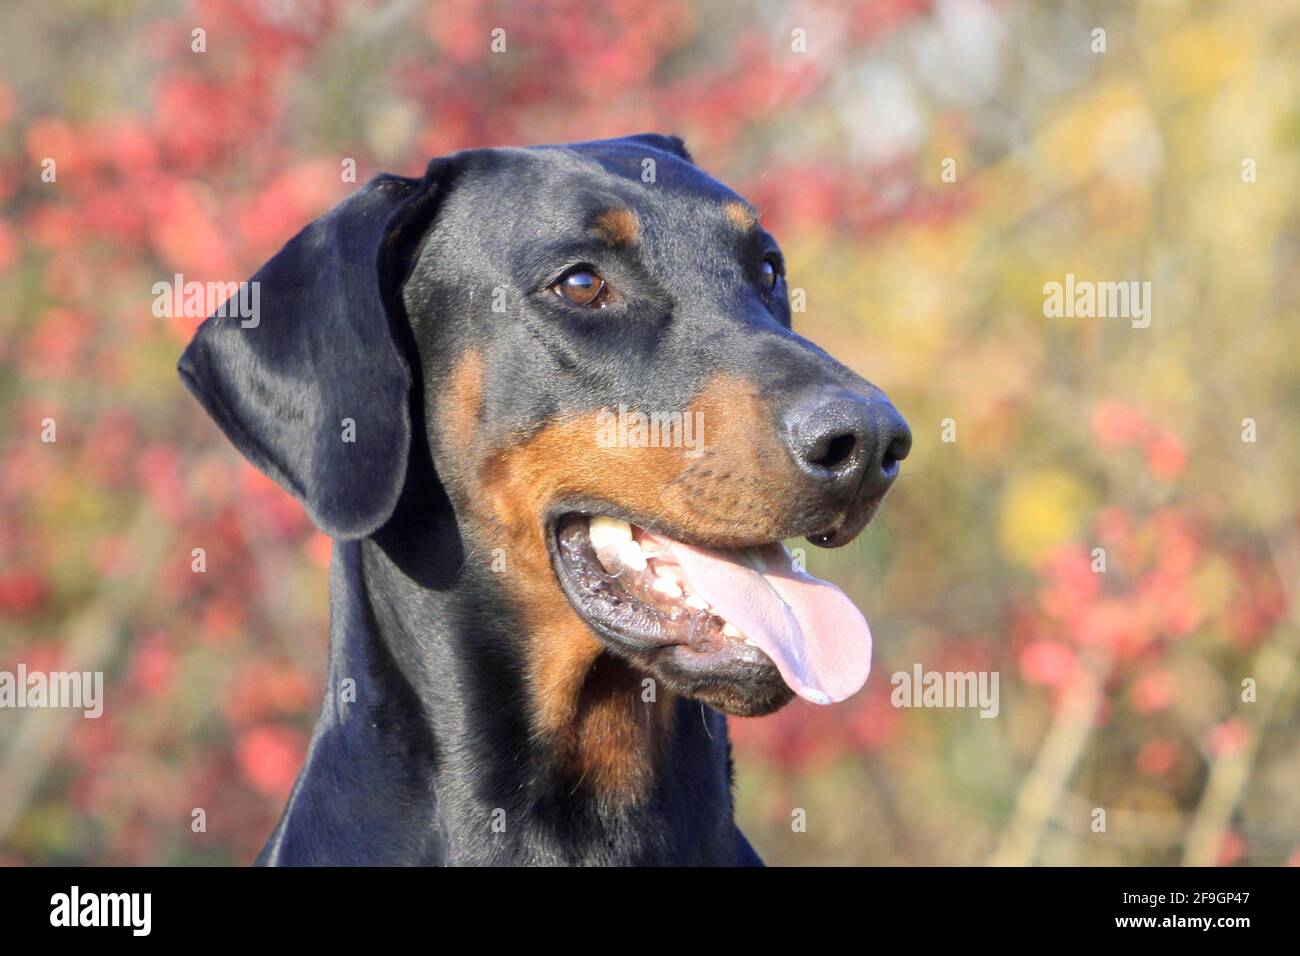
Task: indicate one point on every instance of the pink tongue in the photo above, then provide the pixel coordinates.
(818, 640)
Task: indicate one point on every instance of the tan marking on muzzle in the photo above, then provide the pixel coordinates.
(738, 487)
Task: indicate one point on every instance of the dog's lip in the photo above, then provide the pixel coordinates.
(848, 527)
(657, 525)
(851, 523)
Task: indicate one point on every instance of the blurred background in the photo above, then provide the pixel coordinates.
(928, 168)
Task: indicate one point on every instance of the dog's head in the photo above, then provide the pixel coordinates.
(612, 398)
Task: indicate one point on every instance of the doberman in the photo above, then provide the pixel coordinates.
(548, 403)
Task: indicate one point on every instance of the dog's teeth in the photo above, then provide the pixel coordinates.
(607, 532)
(730, 630)
(629, 552)
(696, 603)
(667, 587)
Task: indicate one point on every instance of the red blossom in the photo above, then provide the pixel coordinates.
(269, 757)
(1157, 757)
(153, 661)
(9, 249)
(1048, 663)
(1118, 425)
(22, 590)
(1231, 848)
(1166, 456)
(1228, 738)
(1151, 692)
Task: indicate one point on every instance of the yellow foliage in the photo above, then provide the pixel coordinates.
(1040, 509)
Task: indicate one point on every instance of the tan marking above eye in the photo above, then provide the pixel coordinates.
(740, 215)
(618, 227)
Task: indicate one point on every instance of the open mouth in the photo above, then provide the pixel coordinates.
(729, 610)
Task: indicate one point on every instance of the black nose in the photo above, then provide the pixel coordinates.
(842, 440)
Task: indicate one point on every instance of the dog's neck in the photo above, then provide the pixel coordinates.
(429, 747)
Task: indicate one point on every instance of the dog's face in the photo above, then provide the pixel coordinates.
(614, 402)
(615, 399)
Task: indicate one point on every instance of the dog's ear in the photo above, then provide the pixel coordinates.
(668, 144)
(312, 386)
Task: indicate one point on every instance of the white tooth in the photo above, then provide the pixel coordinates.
(668, 587)
(697, 603)
(629, 552)
(605, 532)
(730, 630)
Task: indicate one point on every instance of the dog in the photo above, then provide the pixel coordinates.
(548, 403)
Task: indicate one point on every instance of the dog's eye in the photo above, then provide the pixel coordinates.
(770, 272)
(582, 287)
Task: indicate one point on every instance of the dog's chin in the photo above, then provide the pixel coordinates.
(663, 630)
(739, 688)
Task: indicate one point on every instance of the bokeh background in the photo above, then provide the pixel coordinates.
(1119, 690)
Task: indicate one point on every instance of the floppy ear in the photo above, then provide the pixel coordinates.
(313, 387)
(668, 144)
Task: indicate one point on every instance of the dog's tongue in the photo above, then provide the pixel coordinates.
(813, 633)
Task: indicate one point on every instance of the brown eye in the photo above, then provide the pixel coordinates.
(770, 274)
(581, 287)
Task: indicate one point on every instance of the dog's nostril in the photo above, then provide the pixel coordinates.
(834, 450)
(896, 452)
(830, 438)
(898, 445)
